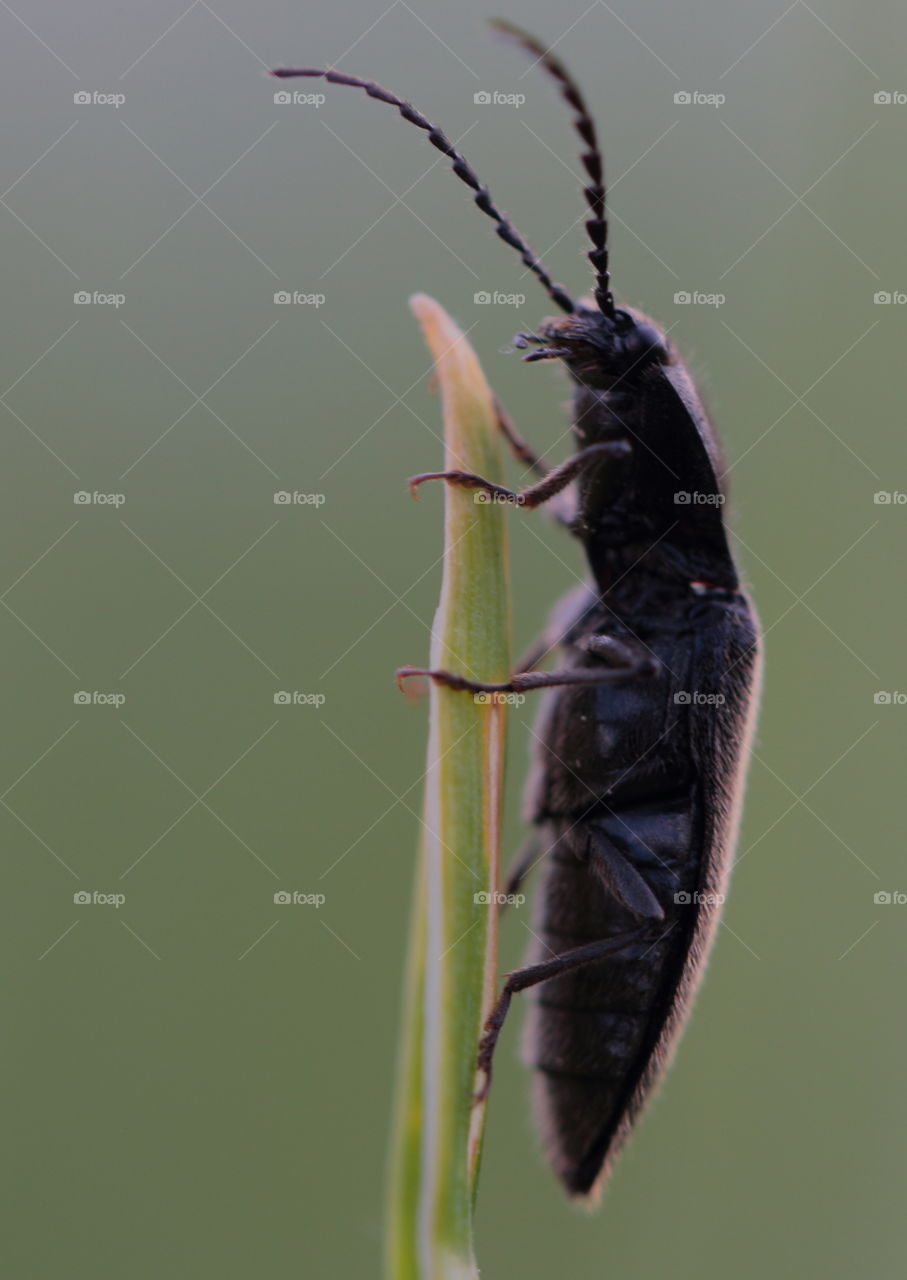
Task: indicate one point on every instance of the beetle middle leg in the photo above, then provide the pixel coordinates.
(531, 976)
(622, 659)
(543, 490)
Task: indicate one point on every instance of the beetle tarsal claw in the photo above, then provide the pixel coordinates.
(402, 674)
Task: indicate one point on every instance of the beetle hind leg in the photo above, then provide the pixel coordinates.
(531, 851)
(531, 976)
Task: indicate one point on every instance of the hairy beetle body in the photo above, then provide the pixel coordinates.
(635, 783)
(642, 742)
(627, 771)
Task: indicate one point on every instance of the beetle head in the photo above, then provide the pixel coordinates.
(600, 351)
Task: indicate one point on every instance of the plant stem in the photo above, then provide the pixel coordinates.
(453, 955)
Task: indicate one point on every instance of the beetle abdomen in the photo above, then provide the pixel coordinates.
(591, 1031)
(600, 1037)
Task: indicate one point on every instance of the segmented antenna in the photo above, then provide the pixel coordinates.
(464, 172)
(597, 225)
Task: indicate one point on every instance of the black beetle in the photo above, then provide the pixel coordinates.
(642, 744)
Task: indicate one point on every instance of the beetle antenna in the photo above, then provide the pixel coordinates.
(464, 172)
(597, 224)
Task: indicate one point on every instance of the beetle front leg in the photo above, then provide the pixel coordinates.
(531, 976)
(535, 494)
(520, 448)
(563, 511)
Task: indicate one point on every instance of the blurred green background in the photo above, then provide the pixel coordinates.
(196, 1081)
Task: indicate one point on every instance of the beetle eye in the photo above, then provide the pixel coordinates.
(645, 340)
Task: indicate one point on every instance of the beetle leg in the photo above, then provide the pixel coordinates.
(569, 611)
(538, 651)
(562, 510)
(520, 448)
(525, 681)
(615, 650)
(530, 852)
(535, 494)
(620, 876)
(531, 976)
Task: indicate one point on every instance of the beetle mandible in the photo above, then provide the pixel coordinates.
(642, 743)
